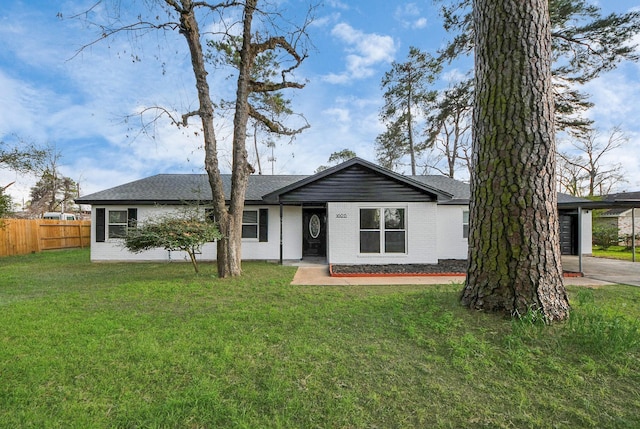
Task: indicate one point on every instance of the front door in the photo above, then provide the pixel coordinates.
(568, 234)
(314, 232)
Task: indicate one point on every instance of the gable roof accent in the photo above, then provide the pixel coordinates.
(357, 180)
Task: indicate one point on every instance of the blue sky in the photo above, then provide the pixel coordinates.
(80, 103)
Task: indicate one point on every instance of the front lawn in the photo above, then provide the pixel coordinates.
(616, 252)
(153, 345)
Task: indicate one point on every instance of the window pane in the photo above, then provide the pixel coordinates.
(117, 231)
(369, 219)
(118, 216)
(250, 216)
(465, 224)
(394, 242)
(394, 218)
(369, 241)
(249, 231)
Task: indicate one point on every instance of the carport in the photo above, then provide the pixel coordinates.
(605, 204)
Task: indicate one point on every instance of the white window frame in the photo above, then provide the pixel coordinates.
(110, 223)
(256, 223)
(465, 224)
(382, 229)
(210, 216)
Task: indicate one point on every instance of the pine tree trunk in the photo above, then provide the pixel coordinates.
(514, 252)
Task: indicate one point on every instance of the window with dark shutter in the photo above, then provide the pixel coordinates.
(132, 218)
(100, 225)
(264, 225)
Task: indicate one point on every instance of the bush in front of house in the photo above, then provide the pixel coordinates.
(605, 236)
(187, 231)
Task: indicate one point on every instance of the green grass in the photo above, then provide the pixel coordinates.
(616, 252)
(155, 346)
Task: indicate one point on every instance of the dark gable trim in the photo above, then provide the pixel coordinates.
(356, 180)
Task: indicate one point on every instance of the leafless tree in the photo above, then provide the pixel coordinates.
(448, 130)
(582, 171)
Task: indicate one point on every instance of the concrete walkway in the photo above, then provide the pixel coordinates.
(318, 275)
(607, 270)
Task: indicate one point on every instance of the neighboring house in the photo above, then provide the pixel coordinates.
(621, 217)
(353, 213)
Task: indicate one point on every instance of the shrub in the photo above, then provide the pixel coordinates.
(605, 236)
(186, 231)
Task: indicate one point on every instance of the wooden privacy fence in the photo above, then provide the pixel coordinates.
(22, 236)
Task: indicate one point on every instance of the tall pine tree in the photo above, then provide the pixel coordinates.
(514, 252)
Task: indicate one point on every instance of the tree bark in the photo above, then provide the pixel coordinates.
(241, 167)
(514, 252)
(190, 30)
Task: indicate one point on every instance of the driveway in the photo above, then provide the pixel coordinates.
(608, 270)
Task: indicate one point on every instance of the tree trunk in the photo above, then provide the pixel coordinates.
(255, 147)
(514, 252)
(241, 167)
(189, 28)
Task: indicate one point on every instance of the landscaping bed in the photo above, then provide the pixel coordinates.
(443, 267)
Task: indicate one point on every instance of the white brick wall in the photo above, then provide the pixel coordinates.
(451, 243)
(625, 222)
(433, 232)
(112, 249)
(343, 246)
(291, 231)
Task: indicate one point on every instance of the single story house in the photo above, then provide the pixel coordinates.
(354, 213)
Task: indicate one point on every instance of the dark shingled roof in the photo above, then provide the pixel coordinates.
(615, 212)
(622, 196)
(460, 190)
(180, 188)
(570, 199)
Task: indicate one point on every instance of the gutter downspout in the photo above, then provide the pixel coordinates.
(633, 234)
(281, 255)
(580, 240)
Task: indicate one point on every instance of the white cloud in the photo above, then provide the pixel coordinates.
(409, 16)
(19, 107)
(337, 4)
(364, 52)
(615, 98)
(339, 114)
